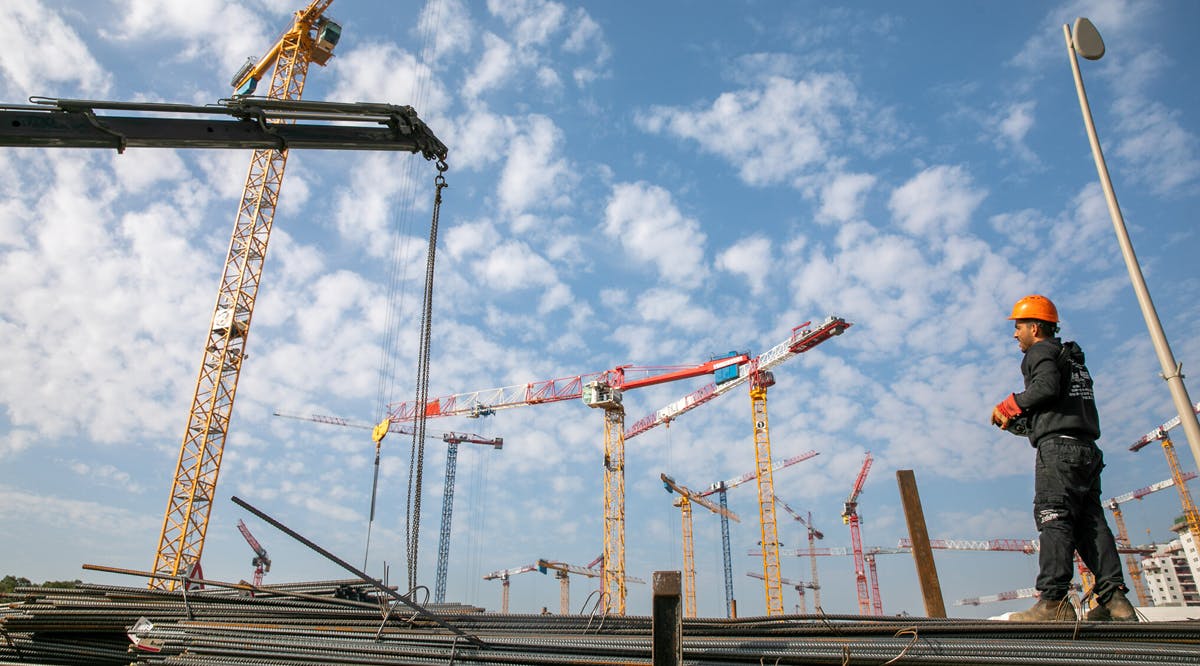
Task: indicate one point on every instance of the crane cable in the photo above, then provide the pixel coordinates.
(416, 461)
(398, 273)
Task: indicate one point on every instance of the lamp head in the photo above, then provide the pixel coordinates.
(1087, 39)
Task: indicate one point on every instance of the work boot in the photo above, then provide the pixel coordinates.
(1047, 610)
(1116, 609)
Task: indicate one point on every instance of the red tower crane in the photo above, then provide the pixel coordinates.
(600, 390)
(868, 554)
(850, 517)
(261, 562)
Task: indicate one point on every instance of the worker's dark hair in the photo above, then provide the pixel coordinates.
(1046, 329)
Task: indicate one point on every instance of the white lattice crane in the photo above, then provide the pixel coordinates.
(686, 498)
(758, 374)
(1114, 504)
(600, 390)
(813, 535)
(503, 575)
(1190, 514)
(798, 585)
(721, 489)
(868, 555)
(563, 571)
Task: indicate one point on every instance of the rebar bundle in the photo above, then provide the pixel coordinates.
(346, 622)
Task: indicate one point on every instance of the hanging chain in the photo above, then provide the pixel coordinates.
(417, 457)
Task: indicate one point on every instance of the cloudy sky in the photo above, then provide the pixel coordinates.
(630, 183)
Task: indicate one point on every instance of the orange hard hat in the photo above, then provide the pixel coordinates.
(1035, 306)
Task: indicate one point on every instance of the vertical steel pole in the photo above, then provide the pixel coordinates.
(1172, 371)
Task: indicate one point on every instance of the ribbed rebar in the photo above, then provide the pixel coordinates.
(88, 625)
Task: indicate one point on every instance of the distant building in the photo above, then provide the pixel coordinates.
(1171, 572)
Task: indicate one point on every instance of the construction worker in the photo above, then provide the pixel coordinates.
(1057, 411)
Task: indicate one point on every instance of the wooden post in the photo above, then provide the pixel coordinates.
(667, 621)
(922, 553)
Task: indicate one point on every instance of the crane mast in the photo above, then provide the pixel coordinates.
(722, 488)
(1114, 504)
(563, 571)
(850, 517)
(757, 373)
(599, 390)
(813, 534)
(181, 541)
(261, 561)
(452, 440)
(503, 575)
(686, 498)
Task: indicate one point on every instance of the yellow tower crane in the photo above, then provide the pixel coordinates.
(311, 38)
(757, 372)
(686, 498)
(563, 571)
(1190, 514)
(1114, 504)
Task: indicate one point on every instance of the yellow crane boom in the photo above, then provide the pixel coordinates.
(181, 541)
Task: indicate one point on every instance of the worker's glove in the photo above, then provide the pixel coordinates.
(1005, 411)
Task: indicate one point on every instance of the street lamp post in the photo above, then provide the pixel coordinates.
(1085, 40)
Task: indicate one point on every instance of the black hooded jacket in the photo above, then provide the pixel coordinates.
(1058, 398)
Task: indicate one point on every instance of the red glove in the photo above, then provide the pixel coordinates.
(1004, 411)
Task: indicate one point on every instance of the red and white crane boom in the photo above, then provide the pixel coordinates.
(601, 390)
(850, 517)
(486, 402)
(261, 562)
(801, 340)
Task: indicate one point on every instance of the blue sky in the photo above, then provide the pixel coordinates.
(630, 183)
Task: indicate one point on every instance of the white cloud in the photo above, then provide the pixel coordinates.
(449, 23)
(513, 265)
(496, 65)
(532, 21)
(391, 75)
(1161, 154)
(1012, 125)
(480, 138)
(842, 198)
(43, 52)
(644, 219)
(535, 175)
(938, 201)
(674, 308)
(783, 131)
(750, 258)
(200, 30)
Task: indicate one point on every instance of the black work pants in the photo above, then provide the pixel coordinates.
(1066, 507)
